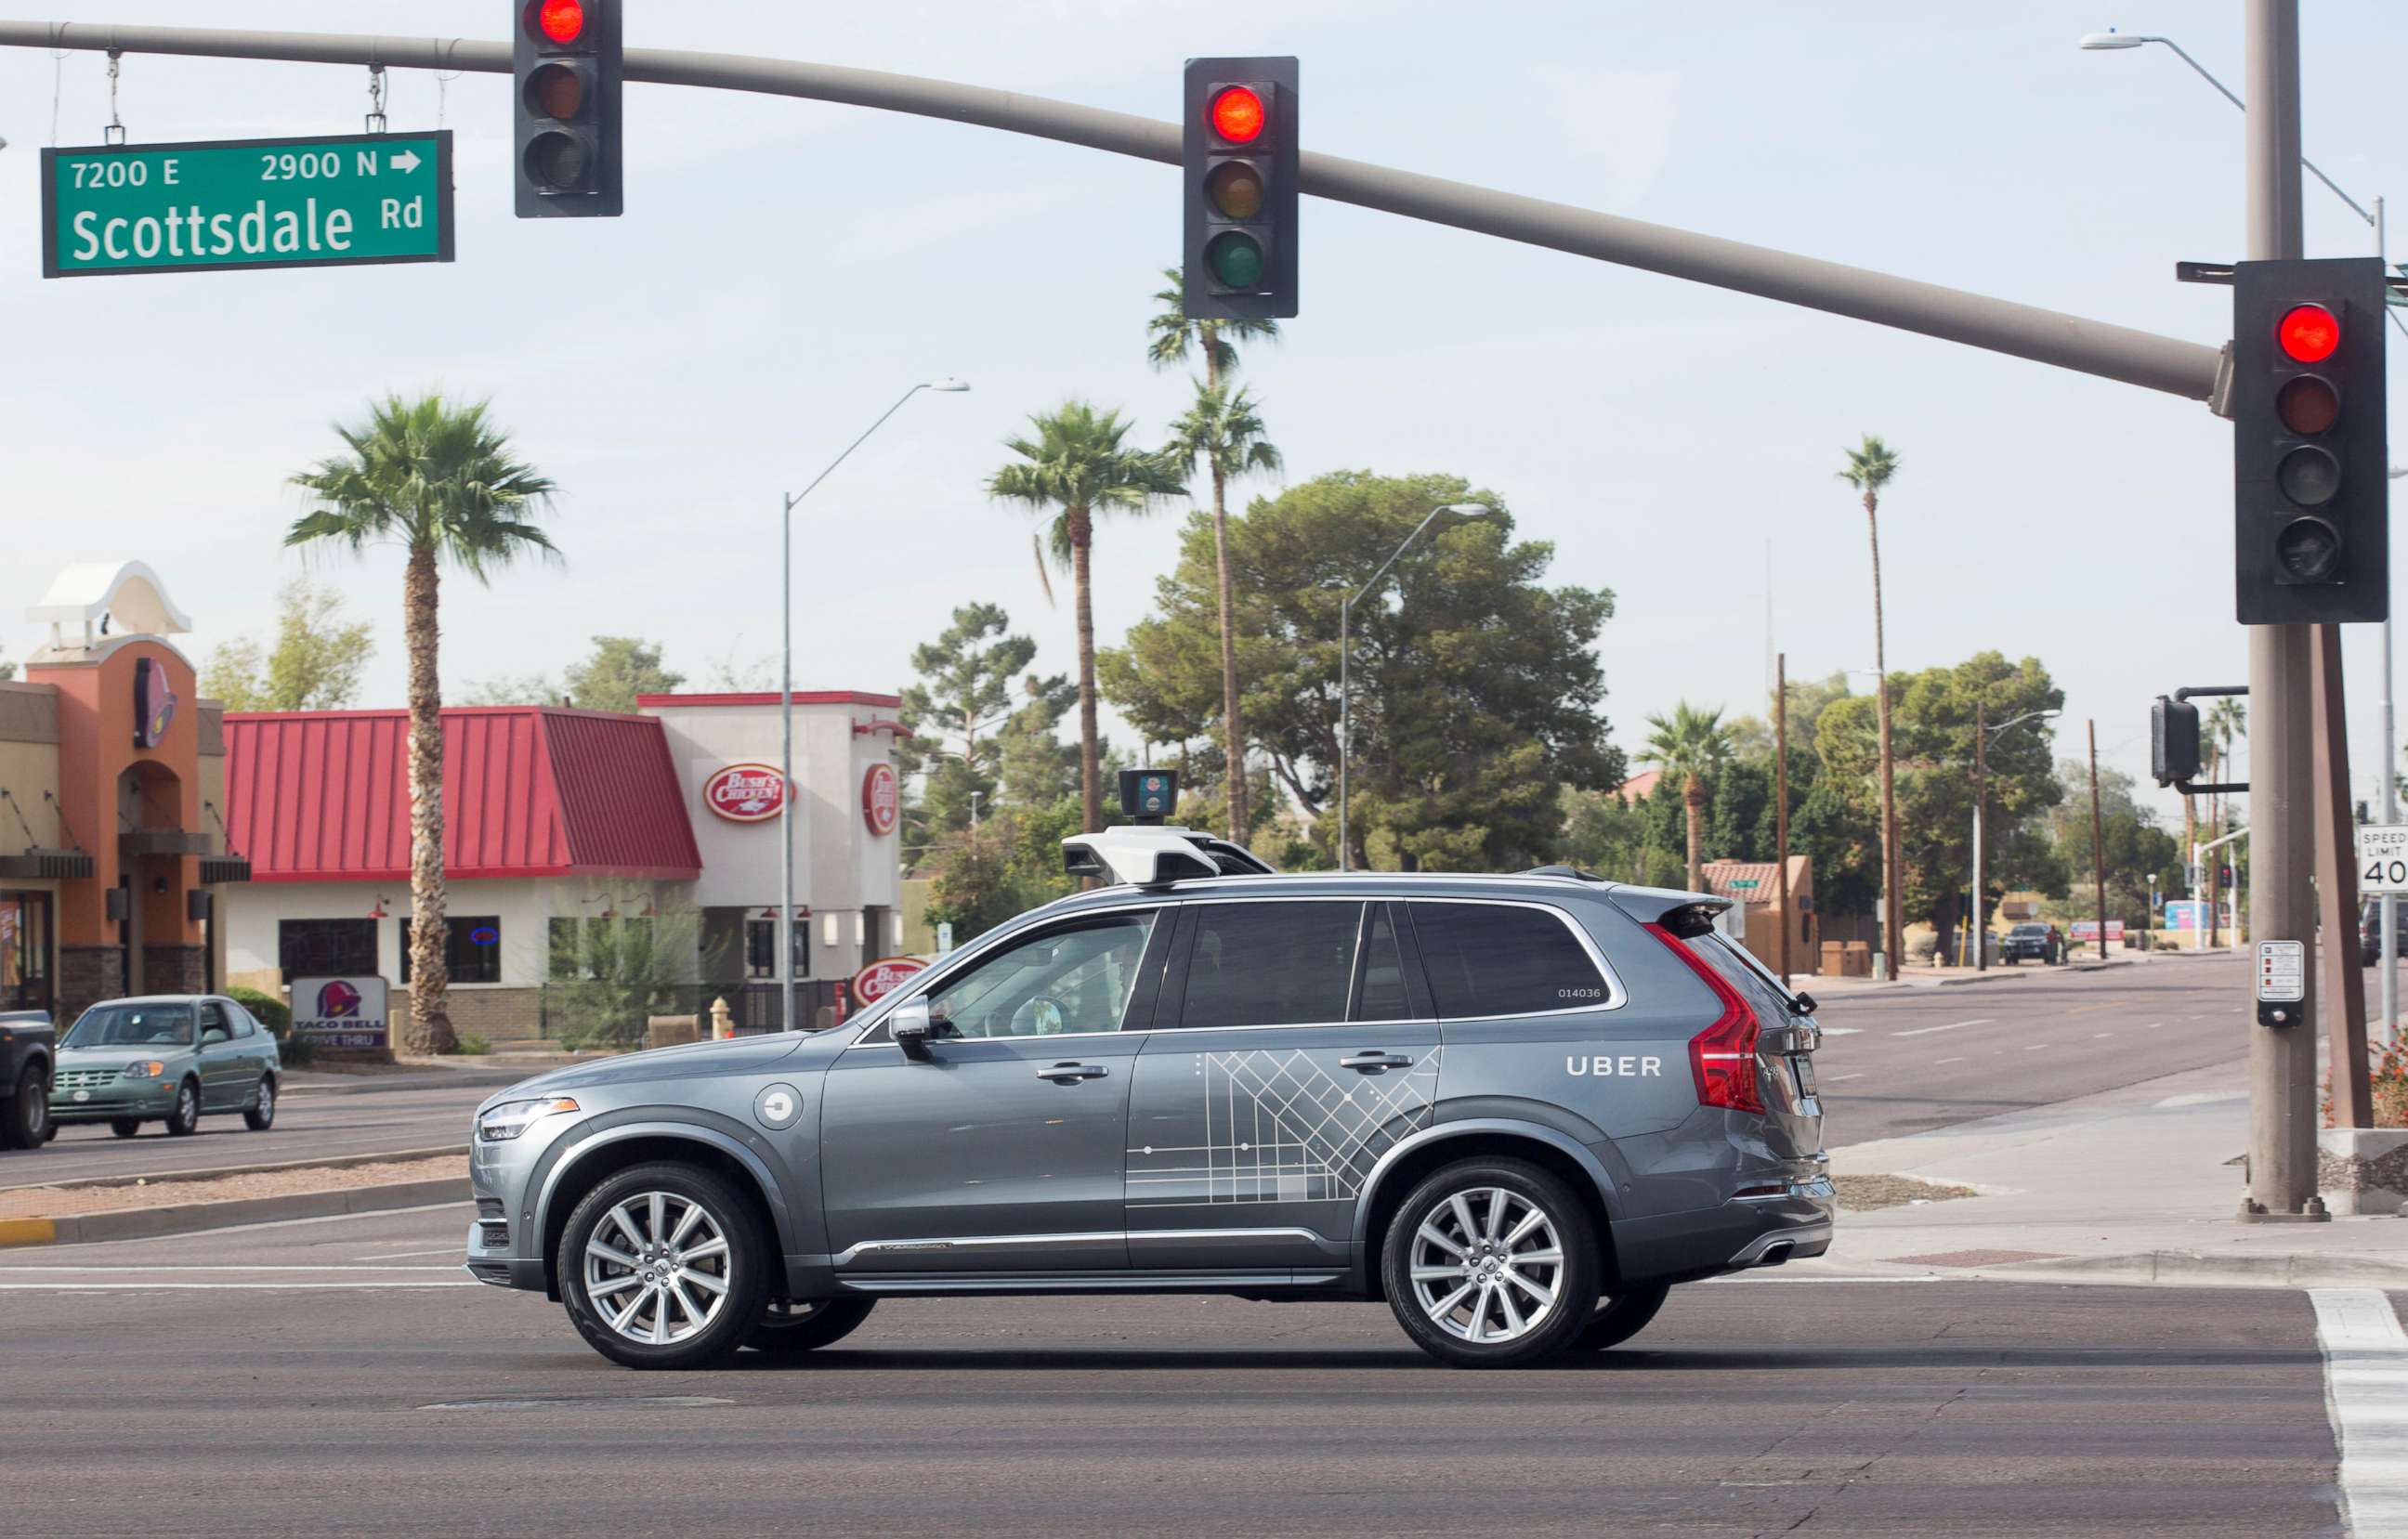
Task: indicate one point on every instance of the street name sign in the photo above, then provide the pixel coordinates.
(2382, 858)
(330, 202)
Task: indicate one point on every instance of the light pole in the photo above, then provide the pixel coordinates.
(785, 937)
(1345, 647)
(1981, 735)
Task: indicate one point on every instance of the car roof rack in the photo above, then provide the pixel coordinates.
(1158, 854)
(1571, 871)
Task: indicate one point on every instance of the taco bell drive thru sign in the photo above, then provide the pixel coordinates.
(341, 1012)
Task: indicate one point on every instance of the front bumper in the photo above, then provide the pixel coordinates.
(504, 1246)
(1735, 1236)
(116, 1098)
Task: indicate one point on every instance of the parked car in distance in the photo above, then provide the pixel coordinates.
(2035, 941)
(166, 1058)
(28, 1048)
(2370, 932)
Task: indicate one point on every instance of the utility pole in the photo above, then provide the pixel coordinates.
(2098, 848)
(2343, 982)
(2282, 1059)
(1780, 799)
(1973, 928)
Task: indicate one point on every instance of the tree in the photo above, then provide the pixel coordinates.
(621, 668)
(515, 690)
(1691, 747)
(1869, 469)
(1224, 432)
(2135, 848)
(1752, 735)
(954, 712)
(1036, 768)
(315, 665)
(7, 670)
(1169, 332)
(1476, 688)
(442, 481)
(1078, 466)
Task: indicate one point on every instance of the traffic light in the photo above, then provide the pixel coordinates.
(2310, 466)
(565, 62)
(1239, 162)
(2173, 741)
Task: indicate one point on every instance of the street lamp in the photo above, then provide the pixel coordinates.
(1981, 735)
(785, 940)
(1345, 628)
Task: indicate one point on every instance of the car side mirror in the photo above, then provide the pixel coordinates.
(910, 1027)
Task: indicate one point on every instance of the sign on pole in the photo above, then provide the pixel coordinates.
(2383, 859)
(330, 202)
(346, 1012)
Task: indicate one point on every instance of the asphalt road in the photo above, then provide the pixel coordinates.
(366, 1389)
(1908, 1059)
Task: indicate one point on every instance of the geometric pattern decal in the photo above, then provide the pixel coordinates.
(1286, 1126)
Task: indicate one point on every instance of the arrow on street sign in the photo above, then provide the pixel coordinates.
(405, 161)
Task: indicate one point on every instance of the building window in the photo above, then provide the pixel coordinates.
(472, 949)
(327, 949)
(761, 948)
(24, 952)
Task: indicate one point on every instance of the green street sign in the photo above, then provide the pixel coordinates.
(1742, 882)
(331, 202)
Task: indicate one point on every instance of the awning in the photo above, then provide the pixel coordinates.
(161, 841)
(224, 868)
(52, 865)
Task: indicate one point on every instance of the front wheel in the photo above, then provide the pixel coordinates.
(125, 1127)
(185, 1118)
(1490, 1263)
(261, 1115)
(1622, 1315)
(664, 1266)
(802, 1325)
(25, 1121)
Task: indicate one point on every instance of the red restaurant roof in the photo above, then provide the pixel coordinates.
(527, 791)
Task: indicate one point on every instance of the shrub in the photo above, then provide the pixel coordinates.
(469, 1044)
(271, 1011)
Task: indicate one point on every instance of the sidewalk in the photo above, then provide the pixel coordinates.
(431, 1074)
(2138, 1184)
(1956, 977)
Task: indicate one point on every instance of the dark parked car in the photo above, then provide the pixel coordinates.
(2035, 942)
(28, 1048)
(2370, 932)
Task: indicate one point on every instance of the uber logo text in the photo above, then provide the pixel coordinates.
(1624, 1067)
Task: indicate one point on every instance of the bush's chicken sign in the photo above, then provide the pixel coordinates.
(882, 799)
(746, 793)
(882, 978)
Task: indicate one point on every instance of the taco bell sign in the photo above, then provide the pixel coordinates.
(346, 1012)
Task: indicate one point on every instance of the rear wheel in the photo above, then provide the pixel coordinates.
(801, 1325)
(125, 1127)
(261, 1115)
(1488, 1263)
(184, 1119)
(664, 1266)
(25, 1122)
(1619, 1317)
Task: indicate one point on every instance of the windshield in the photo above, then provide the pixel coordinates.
(132, 1026)
(2031, 930)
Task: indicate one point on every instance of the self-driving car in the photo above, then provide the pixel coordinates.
(167, 1057)
(1518, 1109)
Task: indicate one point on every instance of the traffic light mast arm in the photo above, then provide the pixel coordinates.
(2097, 348)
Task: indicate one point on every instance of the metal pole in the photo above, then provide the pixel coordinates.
(2090, 347)
(783, 936)
(2390, 916)
(1980, 785)
(1345, 727)
(2282, 1060)
(1780, 798)
(2342, 997)
(2098, 848)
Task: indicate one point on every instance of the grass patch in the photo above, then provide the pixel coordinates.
(1864, 1194)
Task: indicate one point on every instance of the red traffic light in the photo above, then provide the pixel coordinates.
(561, 20)
(1238, 115)
(2309, 333)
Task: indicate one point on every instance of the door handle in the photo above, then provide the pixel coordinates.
(1064, 1073)
(1375, 1060)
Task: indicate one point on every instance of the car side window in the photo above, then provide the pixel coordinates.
(238, 1020)
(1504, 960)
(213, 1025)
(1381, 994)
(1270, 963)
(1060, 981)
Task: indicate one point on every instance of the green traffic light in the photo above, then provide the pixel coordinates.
(1236, 260)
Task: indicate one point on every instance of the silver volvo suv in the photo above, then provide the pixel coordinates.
(1517, 1108)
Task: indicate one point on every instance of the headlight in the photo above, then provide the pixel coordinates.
(499, 1124)
(150, 1070)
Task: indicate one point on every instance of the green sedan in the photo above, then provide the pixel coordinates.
(166, 1058)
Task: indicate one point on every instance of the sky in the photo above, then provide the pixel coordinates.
(786, 269)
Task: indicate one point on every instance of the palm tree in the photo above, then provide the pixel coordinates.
(442, 481)
(1078, 465)
(1869, 469)
(2226, 719)
(1224, 430)
(1693, 745)
(1170, 331)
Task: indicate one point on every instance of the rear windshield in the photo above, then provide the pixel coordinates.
(1742, 970)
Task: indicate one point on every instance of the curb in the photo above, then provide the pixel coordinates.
(2168, 1269)
(163, 1177)
(136, 1223)
(381, 1083)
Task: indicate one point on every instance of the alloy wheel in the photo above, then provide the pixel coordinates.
(1487, 1266)
(656, 1268)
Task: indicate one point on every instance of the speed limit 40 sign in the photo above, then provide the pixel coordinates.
(2382, 858)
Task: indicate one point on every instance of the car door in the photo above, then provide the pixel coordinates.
(221, 1059)
(1293, 1046)
(1000, 1147)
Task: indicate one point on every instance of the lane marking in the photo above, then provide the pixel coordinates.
(2095, 1036)
(189, 1287)
(1842, 1030)
(1938, 1061)
(2036, 1046)
(1839, 1078)
(1795, 1281)
(1927, 1031)
(2153, 1026)
(2366, 1397)
(61, 1267)
(431, 1251)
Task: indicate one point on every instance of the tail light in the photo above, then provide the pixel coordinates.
(1722, 1057)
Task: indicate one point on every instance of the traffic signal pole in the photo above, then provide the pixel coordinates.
(2282, 1165)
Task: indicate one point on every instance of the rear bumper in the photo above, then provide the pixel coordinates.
(1707, 1241)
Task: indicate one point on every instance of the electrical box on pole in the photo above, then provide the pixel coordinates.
(2310, 466)
(565, 68)
(1239, 165)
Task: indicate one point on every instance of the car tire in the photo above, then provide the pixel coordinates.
(184, 1118)
(1472, 1221)
(791, 1326)
(125, 1127)
(646, 1206)
(1619, 1317)
(260, 1115)
(25, 1121)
